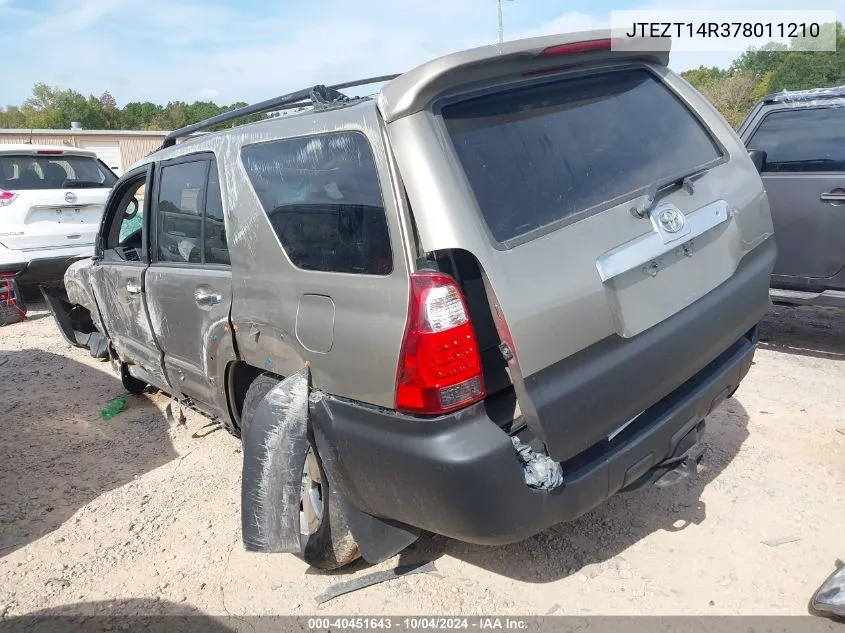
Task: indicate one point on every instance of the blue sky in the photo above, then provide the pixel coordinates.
(248, 50)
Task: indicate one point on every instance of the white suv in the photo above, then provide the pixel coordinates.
(51, 202)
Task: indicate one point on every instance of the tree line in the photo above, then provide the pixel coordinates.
(50, 107)
(733, 91)
(771, 68)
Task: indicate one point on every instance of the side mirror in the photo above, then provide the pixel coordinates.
(131, 209)
(758, 157)
(829, 600)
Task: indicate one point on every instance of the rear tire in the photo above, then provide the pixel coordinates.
(329, 543)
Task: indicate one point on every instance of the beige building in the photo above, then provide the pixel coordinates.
(118, 149)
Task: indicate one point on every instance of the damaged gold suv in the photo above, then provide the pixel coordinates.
(509, 285)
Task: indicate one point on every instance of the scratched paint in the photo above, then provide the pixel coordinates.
(266, 286)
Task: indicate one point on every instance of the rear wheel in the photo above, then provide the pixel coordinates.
(325, 539)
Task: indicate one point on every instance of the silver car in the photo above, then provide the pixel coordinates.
(513, 283)
(798, 141)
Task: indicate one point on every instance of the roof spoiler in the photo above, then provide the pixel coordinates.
(415, 89)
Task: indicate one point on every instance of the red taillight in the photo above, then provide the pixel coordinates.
(577, 47)
(439, 364)
(49, 152)
(7, 198)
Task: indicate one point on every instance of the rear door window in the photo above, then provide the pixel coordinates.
(802, 140)
(179, 212)
(216, 249)
(542, 154)
(322, 196)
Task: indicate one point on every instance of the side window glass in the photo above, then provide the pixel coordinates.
(802, 140)
(216, 250)
(178, 212)
(324, 202)
(124, 237)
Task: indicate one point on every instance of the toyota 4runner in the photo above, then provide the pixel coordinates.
(513, 283)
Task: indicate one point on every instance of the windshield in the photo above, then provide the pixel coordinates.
(540, 154)
(24, 172)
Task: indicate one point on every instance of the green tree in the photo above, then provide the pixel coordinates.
(176, 115)
(759, 61)
(763, 88)
(703, 76)
(801, 70)
(51, 107)
(732, 95)
(12, 118)
(112, 113)
(141, 116)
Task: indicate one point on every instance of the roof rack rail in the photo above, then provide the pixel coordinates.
(805, 95)
(317, 95)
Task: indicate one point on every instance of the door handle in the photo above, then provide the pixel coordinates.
(206, 298)
(837, 197)
(133, 287)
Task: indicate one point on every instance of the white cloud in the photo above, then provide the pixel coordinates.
(163, 50)
(567, 23)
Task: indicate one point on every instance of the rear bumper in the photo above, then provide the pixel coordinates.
(832, 298)
(460, 476)
(45, 266)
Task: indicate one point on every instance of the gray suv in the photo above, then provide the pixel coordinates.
(798, 141)
(513, 283)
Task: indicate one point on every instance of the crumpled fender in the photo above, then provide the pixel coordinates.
(274, 456)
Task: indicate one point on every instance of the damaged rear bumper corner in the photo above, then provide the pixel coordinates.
(461, 476)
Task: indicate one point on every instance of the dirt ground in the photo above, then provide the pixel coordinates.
(135, 515)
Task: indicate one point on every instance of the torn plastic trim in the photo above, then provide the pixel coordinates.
(378, 538)
(538, 469)
(834, 95)
(274, 455)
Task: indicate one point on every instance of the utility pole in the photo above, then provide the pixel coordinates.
(501, 23)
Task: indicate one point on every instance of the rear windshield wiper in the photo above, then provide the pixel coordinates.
(82, 184)
(655, 191)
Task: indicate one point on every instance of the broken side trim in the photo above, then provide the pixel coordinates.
(274, 456)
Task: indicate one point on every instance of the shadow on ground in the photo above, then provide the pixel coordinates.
(807, 331)
(56, 454)
(604, 533)
(123, 615)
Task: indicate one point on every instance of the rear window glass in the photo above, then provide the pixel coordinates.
(540, 154)
(23, 172)
(803, 139)
(322, 196)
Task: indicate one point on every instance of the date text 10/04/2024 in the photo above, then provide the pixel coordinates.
(419, 623)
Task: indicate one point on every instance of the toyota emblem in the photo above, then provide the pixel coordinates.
(70, 197)
(671, 220)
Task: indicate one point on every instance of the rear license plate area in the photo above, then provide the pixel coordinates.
(68, 214)
(649, 279)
